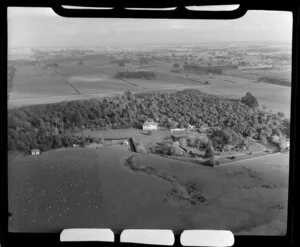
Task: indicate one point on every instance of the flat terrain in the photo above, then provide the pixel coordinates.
(88, 187)
(137, 134)
(95, 78)
(255, 74)
(35, 82)
(274, 97)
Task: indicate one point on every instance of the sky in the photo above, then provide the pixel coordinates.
(42, 27)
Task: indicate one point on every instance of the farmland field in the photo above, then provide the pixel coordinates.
(255, 74)
(274, 97)
(284, 74)
(35, 82)
(71, 81)
(92, 84)
(95, 188)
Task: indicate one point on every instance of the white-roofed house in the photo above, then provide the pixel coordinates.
(35, 152)
(150, 125)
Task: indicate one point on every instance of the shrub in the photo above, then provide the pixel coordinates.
(183, 142)
(248, 141)
(275, 139)
(263, 138)
(282, 145)
(176, 150)
(172, 149)
(140, 147)
(209, 152)
(210, 162)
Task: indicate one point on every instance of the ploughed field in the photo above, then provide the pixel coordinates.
(116, 188)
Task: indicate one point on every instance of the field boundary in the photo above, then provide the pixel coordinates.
(66, 80)
(131, 83)
(251, 158)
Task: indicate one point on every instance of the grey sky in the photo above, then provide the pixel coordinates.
(37, 27)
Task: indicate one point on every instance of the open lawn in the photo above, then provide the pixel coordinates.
(89, 187)
(137, 134)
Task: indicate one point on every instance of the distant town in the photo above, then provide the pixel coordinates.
(240, 56)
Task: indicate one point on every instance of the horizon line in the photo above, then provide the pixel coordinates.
(155, 44)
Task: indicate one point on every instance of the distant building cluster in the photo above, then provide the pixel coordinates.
(20, 53)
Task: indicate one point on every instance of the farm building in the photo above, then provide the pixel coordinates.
(35, 152)
(150, 125)
(177, 130)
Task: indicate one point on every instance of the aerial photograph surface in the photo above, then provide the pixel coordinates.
(148, 124)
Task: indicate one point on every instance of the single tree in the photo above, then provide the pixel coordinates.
(250, 100)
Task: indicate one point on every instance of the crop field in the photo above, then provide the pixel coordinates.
(284, 74)
(89, 84)
(31, 82)
(100, 78)
(117, 189)
(255, 74)
(215, 79)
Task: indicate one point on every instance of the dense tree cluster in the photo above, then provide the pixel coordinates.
(121, 64)
(199, 142)
(171, 149)
(53, 125)
(214, 70)
(274, 80)
(200, 69)
(136, 74)
(226, 136)
(52, 65)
